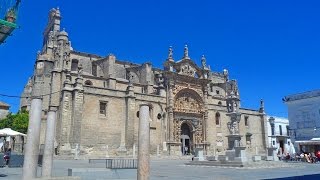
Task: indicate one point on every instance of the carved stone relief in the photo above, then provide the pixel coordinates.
(187, 70)
(178, 88)
(186, 103)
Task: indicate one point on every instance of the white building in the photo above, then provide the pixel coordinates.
(304, 115)
(278, 134)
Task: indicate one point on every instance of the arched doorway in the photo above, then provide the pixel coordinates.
(186, 139)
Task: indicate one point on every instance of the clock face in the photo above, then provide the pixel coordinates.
(40, 65)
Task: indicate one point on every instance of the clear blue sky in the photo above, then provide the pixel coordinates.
(271, 47)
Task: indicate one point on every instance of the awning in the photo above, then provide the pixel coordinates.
(6, 29)
(10, 132)
(308, 142)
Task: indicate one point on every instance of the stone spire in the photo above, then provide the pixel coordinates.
(204, 63)
(186, 52)
(170, 54)
(226, 75)
(169, 62)
(261, 110)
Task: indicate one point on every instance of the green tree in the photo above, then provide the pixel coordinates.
(7, 122)
(18, 122)
(21, 121)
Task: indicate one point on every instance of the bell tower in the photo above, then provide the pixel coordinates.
(51, 30)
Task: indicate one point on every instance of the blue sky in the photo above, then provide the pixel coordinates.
(271, 47)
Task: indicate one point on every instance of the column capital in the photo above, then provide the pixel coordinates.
(144, 104)
(53, 108)
(36, 97)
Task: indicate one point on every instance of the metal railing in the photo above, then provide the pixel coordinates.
(121, 163)
(117, 163)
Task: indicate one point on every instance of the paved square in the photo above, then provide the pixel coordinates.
(176, 170)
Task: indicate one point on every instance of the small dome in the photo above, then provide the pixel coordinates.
(63, 33)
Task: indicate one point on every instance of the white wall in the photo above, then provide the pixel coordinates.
(284, 123)
(304, 116)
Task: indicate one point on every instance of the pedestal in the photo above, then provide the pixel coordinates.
(233, 141)
(174, 148)
(240, 153)
(272, 154)
(231, 154)
(199, 154)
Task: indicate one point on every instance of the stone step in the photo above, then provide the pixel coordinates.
(215, 163)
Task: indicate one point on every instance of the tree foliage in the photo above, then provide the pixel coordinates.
(18, 122)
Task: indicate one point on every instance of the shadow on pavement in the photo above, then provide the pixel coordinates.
(304, 177)
(3, 175)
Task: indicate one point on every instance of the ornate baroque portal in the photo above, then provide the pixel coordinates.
(188, 117)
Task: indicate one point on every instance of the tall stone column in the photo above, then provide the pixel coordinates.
(66, 115)
(32, 147)
(205, 116)
(170, 112)
(264, 124)
(144, 144)
(75, 137)
(130, 116)
(55, 88)
(49, 143)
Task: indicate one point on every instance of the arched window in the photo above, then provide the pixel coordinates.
(218, 119)
(74, 65)
(219, 103)
(88, 83)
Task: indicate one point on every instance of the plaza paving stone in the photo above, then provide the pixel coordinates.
(174, 169)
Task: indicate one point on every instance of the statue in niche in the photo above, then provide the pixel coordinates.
(51, 38)
(233, 127)
(80, 70)
(130, 76)
(160, 80)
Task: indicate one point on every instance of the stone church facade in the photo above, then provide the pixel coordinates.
(98, 98)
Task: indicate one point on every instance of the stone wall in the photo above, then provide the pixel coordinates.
(3, 113)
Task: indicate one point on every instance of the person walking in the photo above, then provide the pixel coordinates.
(7, 155)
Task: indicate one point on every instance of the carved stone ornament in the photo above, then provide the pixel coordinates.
(178, 88)
(187, 70)
(160, 80)
(186, 103)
